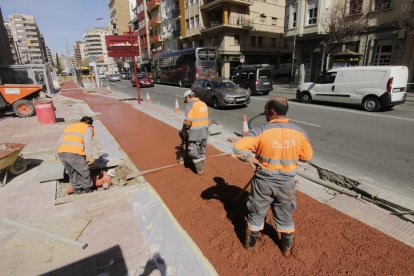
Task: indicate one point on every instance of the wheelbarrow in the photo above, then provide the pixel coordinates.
(19, 97)
(11, 161)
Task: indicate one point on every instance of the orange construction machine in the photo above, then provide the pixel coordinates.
(20, 97)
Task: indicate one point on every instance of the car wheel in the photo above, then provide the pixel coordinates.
(215, 103)
(305, 97)
(180, 83)
(266, 93)
(371, 104)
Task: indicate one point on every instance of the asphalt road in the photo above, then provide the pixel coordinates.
(376, 148)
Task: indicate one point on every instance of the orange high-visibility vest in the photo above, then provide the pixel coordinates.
(72, 140)
(278, 145)
(197, 114)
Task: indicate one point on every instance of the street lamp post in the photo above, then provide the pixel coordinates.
(293, 59)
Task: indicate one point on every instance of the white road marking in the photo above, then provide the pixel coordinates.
(305, 123)
(291, 119)
(365, 113)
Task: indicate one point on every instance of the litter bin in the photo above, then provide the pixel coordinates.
(45, 112)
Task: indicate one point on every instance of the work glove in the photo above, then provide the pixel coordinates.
(89, 160)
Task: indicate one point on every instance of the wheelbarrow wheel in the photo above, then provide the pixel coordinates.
(19, 166)
(23, 108)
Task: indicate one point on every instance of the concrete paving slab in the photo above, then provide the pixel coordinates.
(49, 171)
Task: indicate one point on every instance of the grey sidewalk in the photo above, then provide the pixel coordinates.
(127, 229)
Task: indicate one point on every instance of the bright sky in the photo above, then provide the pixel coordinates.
(60, 20)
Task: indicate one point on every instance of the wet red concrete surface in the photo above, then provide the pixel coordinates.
(327, 242)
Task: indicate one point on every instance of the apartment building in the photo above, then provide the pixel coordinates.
(6, 56)
(95, 48)
(119, 13)
(382, 43)
(77, 53)
(30, 45)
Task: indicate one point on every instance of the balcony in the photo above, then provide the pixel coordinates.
(155, 21)
(208, 4)
(153, 4)
(155, 38)
(233, 23)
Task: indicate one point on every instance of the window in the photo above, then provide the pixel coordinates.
(293, 17)
(260, 42)
(191, 23)
(329, 78)
(187, 24)
(236, 39)
(274, 21)
(382, 55)
(262, 19)
(355, 6)
(312, 13)
(196, 21)
(382, 4)
(253, 41)
(273, 42)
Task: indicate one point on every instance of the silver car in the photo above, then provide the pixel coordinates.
(220, 92)
(114, 77)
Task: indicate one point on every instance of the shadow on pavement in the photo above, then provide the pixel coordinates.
(155, 263)
(233, 199)
(108, 262)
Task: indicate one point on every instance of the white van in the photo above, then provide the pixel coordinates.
(373, 87)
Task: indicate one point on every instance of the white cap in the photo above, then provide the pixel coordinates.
(188, 93)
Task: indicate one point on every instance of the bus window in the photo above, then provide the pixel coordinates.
(207, 54)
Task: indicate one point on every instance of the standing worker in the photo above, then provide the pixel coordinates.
(196, 125)
(75, 152)
(273, 149)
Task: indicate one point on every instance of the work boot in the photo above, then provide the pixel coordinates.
(251, 239)
(199, 167)
(287, 242)
(87, 190)
(77, 191)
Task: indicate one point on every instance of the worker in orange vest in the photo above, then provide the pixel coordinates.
(196, 126)
(273, 150)
(75, 152)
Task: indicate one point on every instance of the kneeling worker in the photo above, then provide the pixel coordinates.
(275, 148)
(75, 152)
(196, 124)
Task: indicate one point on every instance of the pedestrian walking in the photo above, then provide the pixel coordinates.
(75, 152)
(274, 150)
(196, 128)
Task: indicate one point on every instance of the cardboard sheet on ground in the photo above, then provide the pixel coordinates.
(172, 249)
(69, 228)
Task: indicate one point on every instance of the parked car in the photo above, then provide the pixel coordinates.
(145, 80)
(114, 77)
(124, 76)
(220, 92)
(373, 87)
(101, 76)
(254, 78)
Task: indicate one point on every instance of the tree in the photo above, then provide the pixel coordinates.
(58, 64)
(340, 26)
(406, 21)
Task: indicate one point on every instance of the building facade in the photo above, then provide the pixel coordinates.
(381, 43)
(30, 46)
(6, 55)
(95, 49)
(119, 13)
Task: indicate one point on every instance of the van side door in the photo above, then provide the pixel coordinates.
(324, 90)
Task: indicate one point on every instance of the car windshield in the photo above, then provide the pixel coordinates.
(220, 84)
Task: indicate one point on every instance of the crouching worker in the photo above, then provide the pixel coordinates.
(196, 124)
(275, 148)
(75, 152)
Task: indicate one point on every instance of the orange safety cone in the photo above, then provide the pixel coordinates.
(177, 107)
(245, 126)
(148, 98)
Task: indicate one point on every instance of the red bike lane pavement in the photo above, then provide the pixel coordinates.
(326, 242)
